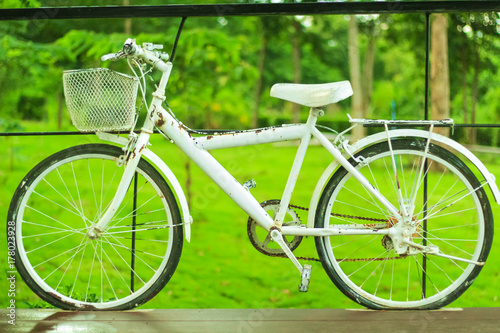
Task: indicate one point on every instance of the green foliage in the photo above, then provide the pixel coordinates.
(215, 70)
(10, 125)
(19, 4)
(37, 305)
(212, 79)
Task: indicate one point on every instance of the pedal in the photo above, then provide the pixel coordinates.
(306, 276)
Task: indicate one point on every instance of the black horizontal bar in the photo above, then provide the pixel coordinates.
(209, 131)
(58, 133)
(477, 125)
(44, 133)
(322, 8)
(435, 125)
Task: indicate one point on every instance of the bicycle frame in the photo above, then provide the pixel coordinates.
(196, 148)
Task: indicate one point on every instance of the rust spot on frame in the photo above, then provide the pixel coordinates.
(160, 121)
(153, 111)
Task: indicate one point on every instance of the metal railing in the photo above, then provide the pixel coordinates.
(214, 10)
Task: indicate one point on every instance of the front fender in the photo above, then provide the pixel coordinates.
(169, 175)
(177, 189)
(382, 136)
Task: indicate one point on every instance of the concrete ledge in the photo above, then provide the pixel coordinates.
(254, 320)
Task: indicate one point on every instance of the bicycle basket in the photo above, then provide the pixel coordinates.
(100, 99)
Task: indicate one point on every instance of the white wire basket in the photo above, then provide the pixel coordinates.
(100, 99)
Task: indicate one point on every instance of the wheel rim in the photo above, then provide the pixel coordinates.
(397, 282)
(69, 266)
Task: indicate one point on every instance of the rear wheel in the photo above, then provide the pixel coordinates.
(122, 267)
(454, 217)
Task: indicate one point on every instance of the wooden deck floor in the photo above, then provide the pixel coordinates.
(255, 320)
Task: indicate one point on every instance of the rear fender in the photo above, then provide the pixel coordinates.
(401, 133)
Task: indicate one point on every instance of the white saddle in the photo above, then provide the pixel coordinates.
(312, 95)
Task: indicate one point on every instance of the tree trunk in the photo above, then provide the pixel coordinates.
(355, 76)
(297, 70)
(367, 78)
(465, 102)
(475, 91)
(258, 87)
(127, 25)
(440, 80)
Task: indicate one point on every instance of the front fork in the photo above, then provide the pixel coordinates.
(134, 156)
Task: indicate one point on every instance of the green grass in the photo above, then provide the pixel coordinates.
(220, 268)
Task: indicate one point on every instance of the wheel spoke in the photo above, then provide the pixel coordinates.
(51, 218)
(72, 205)
(45, 245)
(60, 254)
(76, 231)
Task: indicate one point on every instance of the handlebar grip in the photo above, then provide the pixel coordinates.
(164, 56)
(110, 56)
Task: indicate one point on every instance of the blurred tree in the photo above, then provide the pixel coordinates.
(474, 37)
(266, 31)
(440, 79)
(362, 74)
(355, 75)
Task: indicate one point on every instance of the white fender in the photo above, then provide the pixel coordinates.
(382, 136)
(169, 175)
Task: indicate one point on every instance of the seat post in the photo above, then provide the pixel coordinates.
(314, 114)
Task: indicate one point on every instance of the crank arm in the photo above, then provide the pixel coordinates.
(278, 238)
(305, 271)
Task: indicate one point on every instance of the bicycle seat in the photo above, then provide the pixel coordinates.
(312, 95)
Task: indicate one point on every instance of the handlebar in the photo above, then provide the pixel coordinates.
(148, 52)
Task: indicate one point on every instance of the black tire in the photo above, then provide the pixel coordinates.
(56, 203)
(458, 220)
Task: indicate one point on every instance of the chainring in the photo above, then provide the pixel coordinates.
(262, 240)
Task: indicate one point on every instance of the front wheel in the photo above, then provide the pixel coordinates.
(122, 267)
(449, 211)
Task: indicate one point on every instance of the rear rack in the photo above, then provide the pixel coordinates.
(402, 123)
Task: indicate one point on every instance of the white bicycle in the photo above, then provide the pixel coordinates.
(399, 220)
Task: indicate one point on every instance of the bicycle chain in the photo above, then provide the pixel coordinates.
(282, 255)
(344, 216)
